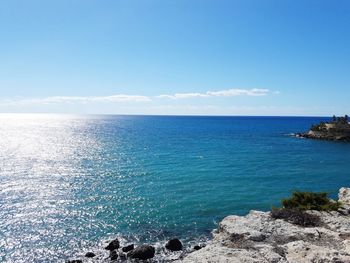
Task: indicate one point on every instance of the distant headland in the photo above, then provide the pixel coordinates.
(336, 130)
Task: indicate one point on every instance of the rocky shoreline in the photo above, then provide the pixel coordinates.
(122, 250)
(323, 136)
(336, 130)
(256, 237)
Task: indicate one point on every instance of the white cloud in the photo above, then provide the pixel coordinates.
(123, 98)
(220, 93)
(239, 92)
(76, 99)
(183, 95)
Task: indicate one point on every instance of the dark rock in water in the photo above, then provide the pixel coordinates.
(196, 247)
(74, 261)
(114, 244)
(122, 256)
(174, 245)
(113, 255)
(90, 254)
(142, 252)
(128, 248)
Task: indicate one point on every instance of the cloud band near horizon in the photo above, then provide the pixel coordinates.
(220, 93)
(122, 98)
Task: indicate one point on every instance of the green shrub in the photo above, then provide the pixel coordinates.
(310, 201)
(318, 127)
(296, 216)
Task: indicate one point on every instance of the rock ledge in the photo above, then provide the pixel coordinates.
(257, 237)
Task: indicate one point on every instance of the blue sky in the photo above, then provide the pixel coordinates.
(175, 57)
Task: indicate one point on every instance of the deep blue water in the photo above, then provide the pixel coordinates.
(68, 182)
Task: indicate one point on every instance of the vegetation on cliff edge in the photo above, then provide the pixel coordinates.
(294, 208)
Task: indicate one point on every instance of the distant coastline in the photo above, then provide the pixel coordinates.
(336, 130)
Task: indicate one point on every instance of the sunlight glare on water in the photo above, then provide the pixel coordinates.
(69, 183)
(41, 156)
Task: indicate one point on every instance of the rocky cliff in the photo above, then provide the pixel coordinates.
(258, 237)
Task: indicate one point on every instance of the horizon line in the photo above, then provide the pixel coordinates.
(161, 115)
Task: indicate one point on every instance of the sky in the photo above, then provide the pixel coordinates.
(176, 57)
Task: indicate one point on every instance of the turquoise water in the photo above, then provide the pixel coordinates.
(68, 182)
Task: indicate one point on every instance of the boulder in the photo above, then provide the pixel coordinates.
(174, 245)
(74, 261)
(122, 256)
(128, 248)
(197, 247)
(113, 255)
(90, 254)
(142, 252)
(114, 244)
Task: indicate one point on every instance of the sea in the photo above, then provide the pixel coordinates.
(69, 183)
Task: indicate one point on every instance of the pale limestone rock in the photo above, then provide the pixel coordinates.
(300, 252)
(257, 237)
(344, 195)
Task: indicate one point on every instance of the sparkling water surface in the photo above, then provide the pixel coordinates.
(68, 182)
